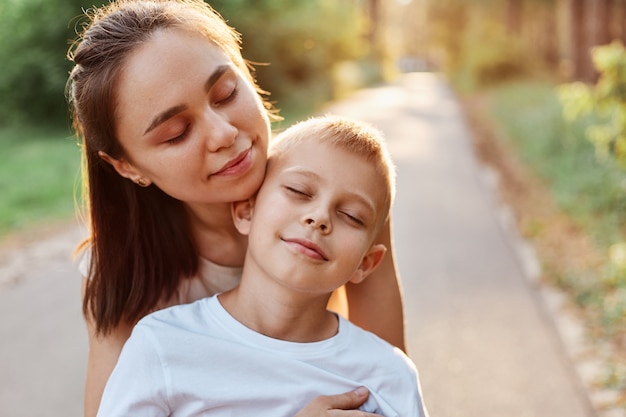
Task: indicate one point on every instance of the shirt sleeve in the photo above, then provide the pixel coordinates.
(138, 385)
(412, 399)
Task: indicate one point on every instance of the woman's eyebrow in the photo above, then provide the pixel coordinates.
(210, 82)
(164, 116)
(216, 75)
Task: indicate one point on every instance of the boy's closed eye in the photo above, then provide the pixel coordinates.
(352, 218)
(297, 191)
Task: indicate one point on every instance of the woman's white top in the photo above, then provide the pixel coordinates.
(210, 279)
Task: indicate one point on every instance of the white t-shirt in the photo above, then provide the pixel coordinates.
(196, 359)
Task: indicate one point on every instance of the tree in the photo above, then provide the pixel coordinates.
(513, 17)
(35, 37)
(301, 41)
(606, 100)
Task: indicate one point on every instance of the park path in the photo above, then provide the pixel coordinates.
(476, 326)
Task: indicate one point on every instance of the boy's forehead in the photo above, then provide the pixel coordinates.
(331, 163)
(291, 151)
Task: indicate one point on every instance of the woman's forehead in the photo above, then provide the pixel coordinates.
(165, 72)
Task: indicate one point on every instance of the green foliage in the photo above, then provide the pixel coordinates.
(589, 189)
(478, 51)
(606, 101)
(34, 37)
(495, 57)
(300, 41)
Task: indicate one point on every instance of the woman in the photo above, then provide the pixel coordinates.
(173, 130)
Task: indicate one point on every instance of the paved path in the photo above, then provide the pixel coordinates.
(476, 327)
(43, 344)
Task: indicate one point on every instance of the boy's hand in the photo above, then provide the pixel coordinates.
(340, 405)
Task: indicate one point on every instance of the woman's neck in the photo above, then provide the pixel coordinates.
(215, 235)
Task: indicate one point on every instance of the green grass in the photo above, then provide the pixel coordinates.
(590, 190)
(38, 172)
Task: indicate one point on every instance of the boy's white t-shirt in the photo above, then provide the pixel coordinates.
(196, 359)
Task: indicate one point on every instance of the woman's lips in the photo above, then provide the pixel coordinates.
(308, 248)
(237, 165)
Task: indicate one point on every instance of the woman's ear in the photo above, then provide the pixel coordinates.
(125, 169)
(242, 215)
(369, 263)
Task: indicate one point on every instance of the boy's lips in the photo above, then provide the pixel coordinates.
(238, 164)
(306, 247)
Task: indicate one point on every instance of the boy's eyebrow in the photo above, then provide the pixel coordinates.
(210, 82)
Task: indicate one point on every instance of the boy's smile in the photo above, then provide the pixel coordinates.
(306, 247)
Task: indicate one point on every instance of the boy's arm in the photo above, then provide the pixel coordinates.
(376, 303)
(412, 397)
(137, 386)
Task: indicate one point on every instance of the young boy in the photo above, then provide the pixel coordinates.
(270, 345)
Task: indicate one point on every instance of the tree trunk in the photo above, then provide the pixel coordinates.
(513, 17)
(579, 50)
(599, 31)
(618, 26)
(374, 28)
(548, 41)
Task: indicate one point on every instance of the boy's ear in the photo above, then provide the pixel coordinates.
(369, 263)
(242, 215)
(124, 168)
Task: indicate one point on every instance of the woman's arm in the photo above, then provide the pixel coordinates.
(376, 303)
(103, 354)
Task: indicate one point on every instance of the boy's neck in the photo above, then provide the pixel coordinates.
(279, 313)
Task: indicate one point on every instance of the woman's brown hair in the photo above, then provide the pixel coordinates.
(140, 242)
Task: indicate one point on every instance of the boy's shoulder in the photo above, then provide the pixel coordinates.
(369, 345)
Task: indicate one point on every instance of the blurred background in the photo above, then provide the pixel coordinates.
(542, 84)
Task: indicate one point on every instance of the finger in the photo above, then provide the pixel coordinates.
(346, 401)
(340, 405)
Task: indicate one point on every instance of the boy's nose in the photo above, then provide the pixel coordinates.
(319, 223)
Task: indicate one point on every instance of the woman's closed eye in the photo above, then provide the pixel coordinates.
(178, 138)
(230, 97)
(226, 94)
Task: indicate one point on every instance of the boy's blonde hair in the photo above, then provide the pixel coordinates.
(356, 137)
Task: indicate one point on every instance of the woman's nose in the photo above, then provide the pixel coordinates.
(219, 131)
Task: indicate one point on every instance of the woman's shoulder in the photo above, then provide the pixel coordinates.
(83, 261)
(210, 279)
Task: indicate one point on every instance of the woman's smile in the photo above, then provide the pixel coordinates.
(238, 165)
